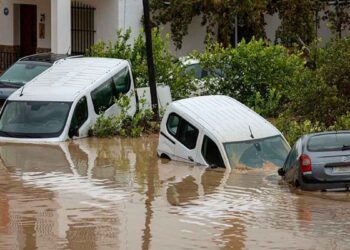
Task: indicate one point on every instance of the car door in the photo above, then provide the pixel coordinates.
(291, 167)
(80, 126)
(211, 153)
(168, 137)
(187, 137)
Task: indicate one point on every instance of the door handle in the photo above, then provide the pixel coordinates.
(190, 158)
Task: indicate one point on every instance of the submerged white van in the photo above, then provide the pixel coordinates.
(219, 131)
(65, 101)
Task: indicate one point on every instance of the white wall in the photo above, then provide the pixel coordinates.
(130, 13)
(61, 26)
(7, 28)
(193, 41)
(272, 24)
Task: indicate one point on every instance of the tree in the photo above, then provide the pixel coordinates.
(299, 18)
(338, 17)
(298, 21)
(216, 14)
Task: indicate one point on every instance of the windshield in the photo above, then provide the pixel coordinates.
(33, 119)
(200, 73)
(22, 72)
(255, 153)
(329, 142)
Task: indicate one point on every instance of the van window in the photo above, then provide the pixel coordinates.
(182, 130)
(187, 134)
(122, 82)
(103, 96)
(173, 123)
(211, 153)
(80, 114)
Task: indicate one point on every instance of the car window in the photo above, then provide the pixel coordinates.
(195, 69)
(211, 153)
(80, 114)
(187, 134)
(292, 157)
(122, 82)
(173, 124)
(182, 130)
(22, 72)
(329, 142)
(103, 96)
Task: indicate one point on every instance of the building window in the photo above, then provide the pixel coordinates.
(82, 27)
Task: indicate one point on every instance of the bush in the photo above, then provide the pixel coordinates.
(254, 73)
(124, 124)
(167, 70)
(293, 129)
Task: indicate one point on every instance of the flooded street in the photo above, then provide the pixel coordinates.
(116, 194)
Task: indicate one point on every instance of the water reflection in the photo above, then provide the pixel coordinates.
(116, 194)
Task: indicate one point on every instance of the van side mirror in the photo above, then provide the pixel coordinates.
(73, 131)
(281, 172)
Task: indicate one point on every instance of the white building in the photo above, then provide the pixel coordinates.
(61, 26)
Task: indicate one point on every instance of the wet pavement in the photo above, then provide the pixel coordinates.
(116, 194)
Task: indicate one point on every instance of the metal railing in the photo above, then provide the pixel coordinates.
(7, 59)
(83, 27)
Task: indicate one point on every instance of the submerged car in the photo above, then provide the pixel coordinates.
(65, 101)
(24, 70)
(319, 161)
(219, 131)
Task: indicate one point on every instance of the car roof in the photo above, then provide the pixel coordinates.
(226, 118)
(44, 57)
(66, 79)
(187, 60)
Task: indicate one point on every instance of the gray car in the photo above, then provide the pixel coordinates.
(24, 70)
(319, 161)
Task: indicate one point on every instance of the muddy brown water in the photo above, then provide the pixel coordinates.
(116, 194)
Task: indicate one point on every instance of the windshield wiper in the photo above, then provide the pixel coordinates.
(345, 147)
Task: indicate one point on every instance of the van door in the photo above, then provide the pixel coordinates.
(103, 97)
(79, 126)
(187, 137)
(211, 153)
(124, 85)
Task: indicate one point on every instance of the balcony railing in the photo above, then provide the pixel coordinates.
(7, 59)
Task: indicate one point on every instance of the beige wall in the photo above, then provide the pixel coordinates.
(9, 25)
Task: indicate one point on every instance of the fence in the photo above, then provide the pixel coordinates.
(7, 59)
(83, 27)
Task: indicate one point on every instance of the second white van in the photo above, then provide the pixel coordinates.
(219, 131)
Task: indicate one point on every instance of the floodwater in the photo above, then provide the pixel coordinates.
(116, 194)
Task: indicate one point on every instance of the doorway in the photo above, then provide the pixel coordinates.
(28, 29)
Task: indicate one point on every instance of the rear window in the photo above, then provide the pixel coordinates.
(329, 142)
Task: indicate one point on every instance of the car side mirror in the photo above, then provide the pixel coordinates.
(281, 172)
(73, 131)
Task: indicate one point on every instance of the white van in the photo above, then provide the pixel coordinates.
(219, 131)
(65, 101)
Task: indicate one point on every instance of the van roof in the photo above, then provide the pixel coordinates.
(66, 79)
(226, 118)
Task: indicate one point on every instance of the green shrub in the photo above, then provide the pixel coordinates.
(254, 73)
(293, 129)
(124, 124)
(167, 70)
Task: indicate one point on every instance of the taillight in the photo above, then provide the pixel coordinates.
(305, 164)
